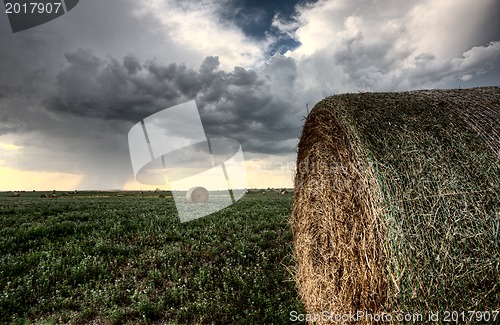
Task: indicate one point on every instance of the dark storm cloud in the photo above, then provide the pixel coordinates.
(132, 64)
(4, 91)
(8, 124)
(242, 103)
(112, 27)
(70, 108)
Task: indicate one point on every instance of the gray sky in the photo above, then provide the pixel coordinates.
(71, 89)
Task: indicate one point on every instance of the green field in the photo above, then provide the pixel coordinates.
(125, 258)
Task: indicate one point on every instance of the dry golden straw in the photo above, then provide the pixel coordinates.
(397, 203)
(197, 195)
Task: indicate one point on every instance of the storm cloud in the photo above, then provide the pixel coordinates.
(95, 101)
(242, 103)
(70, 90)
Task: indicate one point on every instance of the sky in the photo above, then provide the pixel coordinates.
(71, 89)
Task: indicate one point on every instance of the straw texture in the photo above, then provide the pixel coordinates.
(396, 203)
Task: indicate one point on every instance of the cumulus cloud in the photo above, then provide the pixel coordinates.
(391, 45)
(428, 70)
(97, 99)
(447, 28)
(196, 26)
(129, 90)
(94, 73)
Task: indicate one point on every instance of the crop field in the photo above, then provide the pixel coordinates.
(112, 258)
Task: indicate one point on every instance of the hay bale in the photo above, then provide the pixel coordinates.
(395, 198)
(15, 194)
(44, 196)
(197, 195)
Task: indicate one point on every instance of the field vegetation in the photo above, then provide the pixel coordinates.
(125, 258)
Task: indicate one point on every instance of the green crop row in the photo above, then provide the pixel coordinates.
(128, 259)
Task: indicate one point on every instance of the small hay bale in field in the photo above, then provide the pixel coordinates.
(44, 196)
(53, 196)
(396, 202)
(15, 194)
(197, 194)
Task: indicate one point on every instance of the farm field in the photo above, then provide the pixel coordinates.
(106, 257)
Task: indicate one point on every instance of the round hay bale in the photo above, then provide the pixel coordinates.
(395, 195)
(15, 194)
(44, 196)
(197, 195)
